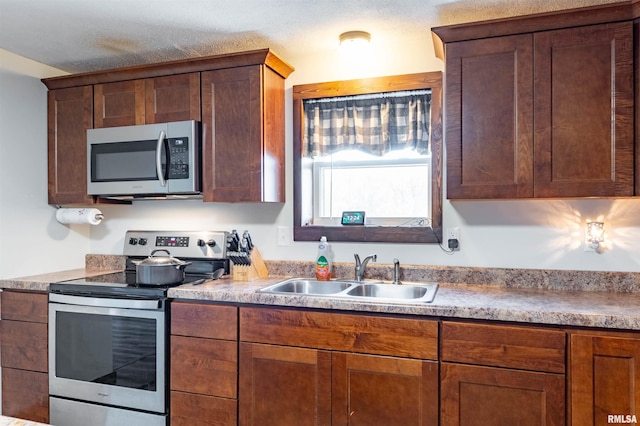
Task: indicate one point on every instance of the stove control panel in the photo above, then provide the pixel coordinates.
(191, 244)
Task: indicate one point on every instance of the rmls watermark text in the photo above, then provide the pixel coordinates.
(622, 418)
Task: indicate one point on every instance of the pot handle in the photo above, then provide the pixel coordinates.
(157, 250)
(183, 265)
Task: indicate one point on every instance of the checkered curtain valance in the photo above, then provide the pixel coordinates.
(375, 124)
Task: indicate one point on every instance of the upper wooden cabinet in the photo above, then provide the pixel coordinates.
(148, 101)
(489, 117)
(70, 115)
(537, 110)
(241, 109)
(243, 134)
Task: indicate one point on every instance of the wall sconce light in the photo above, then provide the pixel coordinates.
(354, 40)
(595, 236)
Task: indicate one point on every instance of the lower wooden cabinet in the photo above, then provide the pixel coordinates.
(605, 378)
(302, 367)
(189, 409)
(501, 375)
(25, 394)
(203, 364)
(475, 395)
(284, 386)
(377, 390)
(25, 379)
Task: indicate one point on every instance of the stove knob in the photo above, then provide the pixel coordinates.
(142, 241)
(133, 241)
(210, 243)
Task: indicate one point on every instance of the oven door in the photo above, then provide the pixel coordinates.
(109, 351)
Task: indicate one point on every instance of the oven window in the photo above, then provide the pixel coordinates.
(113, 350)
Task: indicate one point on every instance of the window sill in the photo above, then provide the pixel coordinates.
(369, 234)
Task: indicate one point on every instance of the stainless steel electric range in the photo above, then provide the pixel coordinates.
(108, 335)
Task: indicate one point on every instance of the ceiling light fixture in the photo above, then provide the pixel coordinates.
(355, 38)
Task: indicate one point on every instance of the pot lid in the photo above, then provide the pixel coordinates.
(161, 260)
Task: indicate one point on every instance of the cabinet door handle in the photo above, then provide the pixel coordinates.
(159, 170)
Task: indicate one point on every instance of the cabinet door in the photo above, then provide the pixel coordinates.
(243, 135)
(584, 111)
(375, 390)
(605, 379)
(489, 118)
(283, 386)
(25, 394)
(70, 114)
(172, 98)
(119, 104)
(232, 135)
(475, 395)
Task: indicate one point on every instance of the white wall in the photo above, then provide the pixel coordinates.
(31, 241)
(538, 234)
(517, 234)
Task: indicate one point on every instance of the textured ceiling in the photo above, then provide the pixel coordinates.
(90, 35)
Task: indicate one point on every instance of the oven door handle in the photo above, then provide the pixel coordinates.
(106, 302)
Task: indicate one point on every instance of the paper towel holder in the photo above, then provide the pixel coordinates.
(99, 216)
(96, 219)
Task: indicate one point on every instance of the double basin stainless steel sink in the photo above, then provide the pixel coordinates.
(365, 290)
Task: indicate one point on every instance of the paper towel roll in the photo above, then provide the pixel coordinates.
(79, 216)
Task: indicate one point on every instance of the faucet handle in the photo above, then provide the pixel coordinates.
(357, 258)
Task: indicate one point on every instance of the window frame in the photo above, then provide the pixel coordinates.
(386, 234)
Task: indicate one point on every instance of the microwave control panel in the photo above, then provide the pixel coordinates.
(178, 158)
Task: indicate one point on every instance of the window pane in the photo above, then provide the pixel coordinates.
(381, 191)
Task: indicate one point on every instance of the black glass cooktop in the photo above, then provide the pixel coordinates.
(118, 284)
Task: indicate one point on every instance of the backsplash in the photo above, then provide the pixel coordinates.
(622, 282)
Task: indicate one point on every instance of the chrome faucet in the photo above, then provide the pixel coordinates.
(396, 272)
(361, 266)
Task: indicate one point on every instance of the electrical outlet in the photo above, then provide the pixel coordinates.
(452, 237)
(283, 235)
(453, 233)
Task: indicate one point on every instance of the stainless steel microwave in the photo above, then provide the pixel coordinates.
(151, 160)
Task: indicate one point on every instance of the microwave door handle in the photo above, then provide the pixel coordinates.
(159, 170)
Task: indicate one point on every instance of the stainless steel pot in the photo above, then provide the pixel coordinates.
(160, 270)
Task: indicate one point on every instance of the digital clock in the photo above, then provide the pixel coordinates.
(352, 218)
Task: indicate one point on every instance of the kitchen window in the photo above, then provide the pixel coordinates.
(369, 145)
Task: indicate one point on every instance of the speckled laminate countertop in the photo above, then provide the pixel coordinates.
(12, 421)
(541, 306)
(539, 297)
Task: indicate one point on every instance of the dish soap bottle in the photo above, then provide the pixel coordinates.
(323, 261)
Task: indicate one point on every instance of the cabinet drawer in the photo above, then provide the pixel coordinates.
(24, 345)
(402, 337)
(25, 394)
(525, 348)
(20, 306)
(204, 366)
(199, 410)
(202, 320)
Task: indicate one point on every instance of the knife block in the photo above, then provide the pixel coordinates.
(255, 271)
